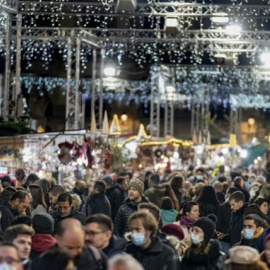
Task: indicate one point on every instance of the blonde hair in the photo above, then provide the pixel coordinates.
(76, 201)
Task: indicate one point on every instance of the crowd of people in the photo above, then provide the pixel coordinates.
(133, 221)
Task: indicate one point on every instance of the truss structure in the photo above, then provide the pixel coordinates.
(9, 6)
(155, 9)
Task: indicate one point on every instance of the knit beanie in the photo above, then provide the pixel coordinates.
(137, 184)
(43, 223)
(208, 227)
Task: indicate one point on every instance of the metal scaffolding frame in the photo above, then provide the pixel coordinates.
(200, 116)
(235, 120)
(153, 9)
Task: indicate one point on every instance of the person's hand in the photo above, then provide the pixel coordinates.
(220, 235)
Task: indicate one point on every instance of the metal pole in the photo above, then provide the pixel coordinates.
(192, 116)
(172, 118)
(7, 70)
(68, 90)
(94, 75)
(77, 84)
(101, 89)
(166, 118)
(18, 64)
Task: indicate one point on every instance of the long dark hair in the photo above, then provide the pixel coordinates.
(208, 201)
(177, 182)
(170, 193)
(45, 185)
(37, 196)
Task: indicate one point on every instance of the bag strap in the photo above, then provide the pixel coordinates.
(97, 256)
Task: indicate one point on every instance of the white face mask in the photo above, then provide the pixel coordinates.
(195, 239)
(248, 233)
(4, 266)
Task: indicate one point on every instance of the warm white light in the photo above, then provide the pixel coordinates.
(225, 151)
(109, 71)
(251, 121)
(220, 18)
(124, 117)
(233, 29)
(265, 58)
(175, 155)
(243, 153)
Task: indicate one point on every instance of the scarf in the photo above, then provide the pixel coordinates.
(184, 220)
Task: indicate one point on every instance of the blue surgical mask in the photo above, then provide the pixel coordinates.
(195, 239)
(138, 239)
(248, 233)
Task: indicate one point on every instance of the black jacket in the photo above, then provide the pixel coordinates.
(247, 242)
(194, 261)
(97, 204)
(259, 245)
(115, 197)
(85, 261)
(116, 246)
(236, 227)
(7, 215)
(224, 218)
(158, 256)
(73, 214)
(123, 214)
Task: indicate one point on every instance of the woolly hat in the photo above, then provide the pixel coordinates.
(108, 180)
(243, 255)
(137, 184)
(175, 230)
(208, 226)
(43, 223)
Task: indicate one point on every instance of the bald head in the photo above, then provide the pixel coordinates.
(70, 236)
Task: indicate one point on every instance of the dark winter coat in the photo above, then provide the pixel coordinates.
(198, 261)
(116, 198)
(155, 194)
(73, 214)
(206, 209)
(236, 227)
(85, 261)
(123, 214)
(27, 265)
(224, 218)
(97, 204)
(247, 242)
(259, 245)
(7, 215)
(158, 256)
(116, 246)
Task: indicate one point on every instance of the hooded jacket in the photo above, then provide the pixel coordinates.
(41, 243)
(123, 214)
(168, 216)
(155, 194)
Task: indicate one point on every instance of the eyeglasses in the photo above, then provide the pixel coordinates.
(91, 233)
(8, 260)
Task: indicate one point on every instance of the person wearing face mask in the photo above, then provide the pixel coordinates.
(9, 257)
(253, 228)
(146, 247)
(204, 252)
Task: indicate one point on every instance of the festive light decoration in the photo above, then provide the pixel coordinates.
(115, 127)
